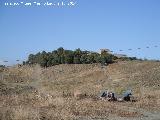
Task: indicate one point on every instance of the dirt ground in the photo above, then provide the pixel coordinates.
(70, 92)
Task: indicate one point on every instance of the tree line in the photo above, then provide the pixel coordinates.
(62, 56)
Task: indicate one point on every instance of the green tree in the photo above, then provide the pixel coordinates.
(31, 59)
(77, 56)
(83, 59)
(69, 56)
(43, 59)
(60, 51)
(76, 60)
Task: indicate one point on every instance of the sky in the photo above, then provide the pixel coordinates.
(89, 25)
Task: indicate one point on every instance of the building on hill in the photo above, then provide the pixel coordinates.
(104, 50)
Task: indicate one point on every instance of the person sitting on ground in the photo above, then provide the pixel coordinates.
(111, 97)
(127, 95)
(104, 94)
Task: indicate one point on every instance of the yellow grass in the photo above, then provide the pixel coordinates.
(67, 92)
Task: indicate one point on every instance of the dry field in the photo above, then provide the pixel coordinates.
(70, 92)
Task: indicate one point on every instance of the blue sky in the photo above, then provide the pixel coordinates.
(89, 25)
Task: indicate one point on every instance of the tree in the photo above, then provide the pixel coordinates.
(106, 57)
(77, 56)
(31, 59)
(78, 52)
(69, 56)
(43, 59)
(83, 59)
(97, 57)
(23, 63)
(62, 59)
(60, 51)
(76, 60)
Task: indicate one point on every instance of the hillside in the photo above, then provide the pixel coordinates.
(32, 92)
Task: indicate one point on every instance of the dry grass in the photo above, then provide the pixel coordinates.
(68, 92)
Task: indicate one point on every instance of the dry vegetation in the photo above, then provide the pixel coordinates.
(69, 92)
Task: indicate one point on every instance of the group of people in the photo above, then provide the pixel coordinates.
(110, 96)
